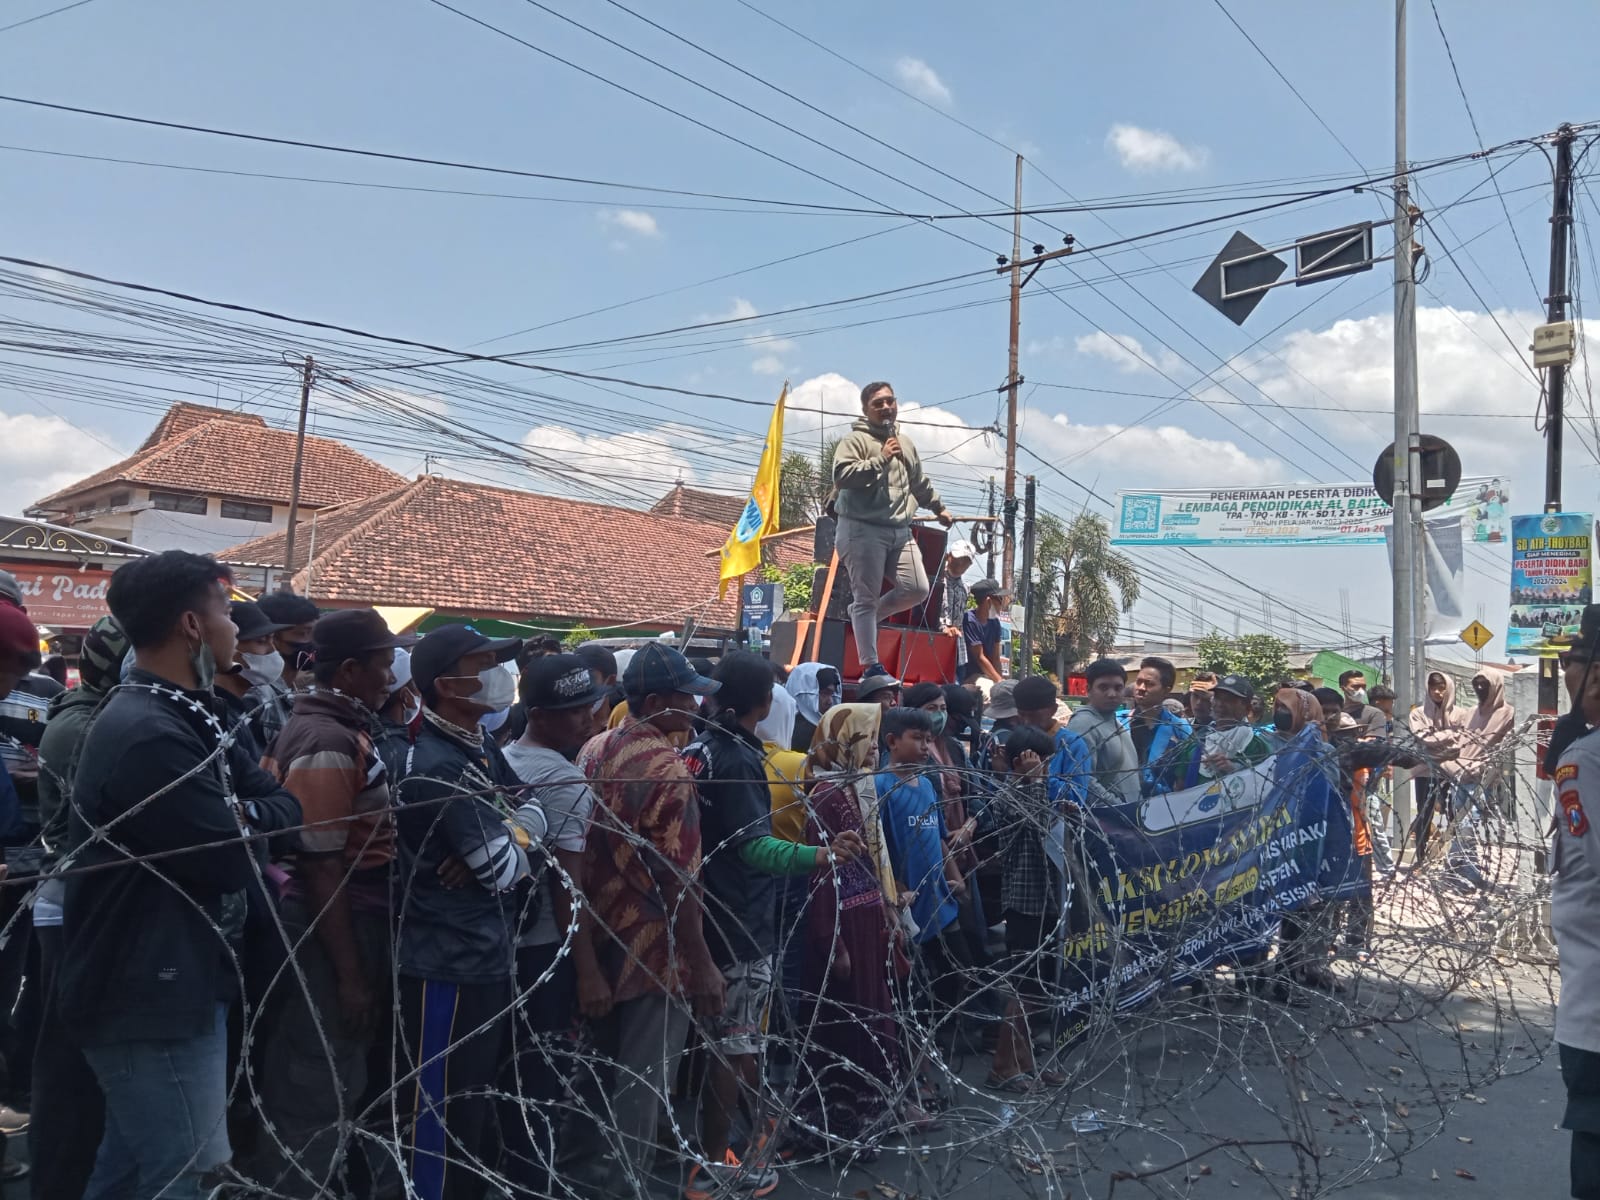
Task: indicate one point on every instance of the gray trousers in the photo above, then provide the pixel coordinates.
(306, 1086)
(871, 554)
(610, 1146)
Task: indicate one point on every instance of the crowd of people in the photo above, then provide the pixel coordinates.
(348, 911)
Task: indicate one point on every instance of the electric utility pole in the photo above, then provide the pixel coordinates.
(1408, 660)
(1556, 312)
(1029, 600)
(1012, 382)
(307, 373)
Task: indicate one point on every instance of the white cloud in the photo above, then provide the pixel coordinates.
(769, 347)
(632, 220)
(40, 455)
(1153, 150)
(922, 81)
(1127, 353)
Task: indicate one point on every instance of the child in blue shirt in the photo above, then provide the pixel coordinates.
(914, 830)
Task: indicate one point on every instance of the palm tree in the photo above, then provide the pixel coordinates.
(803, 486)
(1089, 585)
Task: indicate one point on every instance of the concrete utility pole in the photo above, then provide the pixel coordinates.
(307, 373)
(1008, 559)
(1029, 601)
(1408, 655)
(1556, 308)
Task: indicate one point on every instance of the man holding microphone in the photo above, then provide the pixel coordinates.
(879, 485)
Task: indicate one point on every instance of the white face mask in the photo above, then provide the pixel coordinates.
(411, 711)
(260, 669)
(497, 690)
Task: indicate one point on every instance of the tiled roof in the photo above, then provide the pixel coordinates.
(197, 449)
(474, 550)
(181, 418)
(697, 504)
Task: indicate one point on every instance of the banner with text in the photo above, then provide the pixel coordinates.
(1179, 883)
(63, 596)
(1551, 580)
(1334, 514)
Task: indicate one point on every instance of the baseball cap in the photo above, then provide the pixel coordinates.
(657, 670)
(447, 645)
(558, 681)
(873, 684)
(251, 621)
(1002, 700)
(961, 549)
(352, 632)
(986, 587)
(1202, 685)
(10, 589)
(1236, 685)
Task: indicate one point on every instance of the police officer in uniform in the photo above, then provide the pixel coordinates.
(1575, 910)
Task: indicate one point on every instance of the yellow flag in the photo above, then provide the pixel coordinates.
(741, 553)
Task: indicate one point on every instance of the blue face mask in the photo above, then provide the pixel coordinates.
(939, 718)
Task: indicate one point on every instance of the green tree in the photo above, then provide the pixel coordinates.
(1215, 653)
(1259, 657)
(1085, 585)
(803, 486)
(795, 581)
(577, 636)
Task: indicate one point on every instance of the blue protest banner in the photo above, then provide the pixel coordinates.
(1175, 884)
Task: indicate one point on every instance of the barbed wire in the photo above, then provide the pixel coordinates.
(1324, 1050)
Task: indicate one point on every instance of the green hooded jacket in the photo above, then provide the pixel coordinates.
(875, 489)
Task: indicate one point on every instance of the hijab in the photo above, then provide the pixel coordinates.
(778, 727)
(845, 749)
(1303, 708)
(806, 690)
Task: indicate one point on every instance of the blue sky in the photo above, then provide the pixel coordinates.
(1121, 100)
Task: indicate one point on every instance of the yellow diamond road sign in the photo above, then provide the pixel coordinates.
(1476, 635)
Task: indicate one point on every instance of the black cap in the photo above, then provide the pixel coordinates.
(558, 681)
(985, 588)
(447, 645)
(251, 621)
(657, 670)
(1236, 685)
(289, 610)
(597, 658)
(352, 632)
(1035, 693)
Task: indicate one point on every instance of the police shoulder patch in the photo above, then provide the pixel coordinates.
(1566, 771)
(1577, 821)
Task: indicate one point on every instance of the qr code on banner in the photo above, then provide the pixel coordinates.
(1141, 514)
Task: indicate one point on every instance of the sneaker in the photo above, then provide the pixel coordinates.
(12, 1121)
(729, 1177)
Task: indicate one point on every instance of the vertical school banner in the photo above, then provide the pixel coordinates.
(1181, 882)
(1552, 578)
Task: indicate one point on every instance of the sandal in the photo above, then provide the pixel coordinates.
(1021, 1083)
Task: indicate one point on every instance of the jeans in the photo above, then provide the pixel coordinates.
(871, 554)
(1378, 827)
(166, 1115)
(611, 1143)
(1462, 859)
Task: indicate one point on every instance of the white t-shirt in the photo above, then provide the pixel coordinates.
(563, 792)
